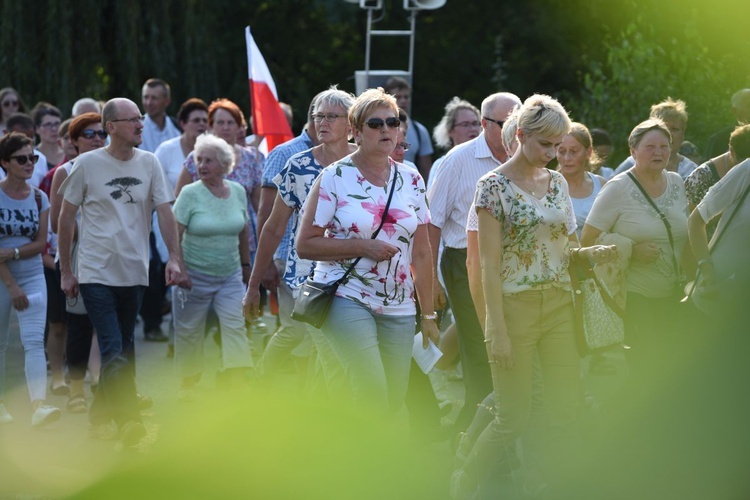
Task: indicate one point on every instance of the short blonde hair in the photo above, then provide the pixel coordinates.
(368, 101)
(510, 127)
(543, 115)
(644, 128)
(580, 133)
(224, 152)
(670, 110)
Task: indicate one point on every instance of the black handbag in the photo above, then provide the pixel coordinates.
(314, 300)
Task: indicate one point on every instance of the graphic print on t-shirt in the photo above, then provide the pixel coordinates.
(19, 222)
(122, 184)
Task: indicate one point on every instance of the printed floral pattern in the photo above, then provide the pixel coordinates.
(535, 232)
(697, 185)
(350, 207)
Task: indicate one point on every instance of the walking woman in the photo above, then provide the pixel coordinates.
(23, 236)
(371, 323)
(526, 241)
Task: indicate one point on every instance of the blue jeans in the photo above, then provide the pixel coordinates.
(375, 350)
(113, 311)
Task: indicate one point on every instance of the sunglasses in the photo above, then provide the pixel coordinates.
(8, 104)
(376, 123)
(90, 134)
(22, 159)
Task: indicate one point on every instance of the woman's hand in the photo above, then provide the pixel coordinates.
(501, 351)
(379, 250)
(430, 331)
(599, 254)
(646, 252)
(20, 301)
(6, 254)
(251, 303)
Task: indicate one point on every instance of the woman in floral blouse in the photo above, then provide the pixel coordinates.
(698, 183)
(526, 236)
(371, 323)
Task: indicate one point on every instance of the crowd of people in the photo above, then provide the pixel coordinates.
(112, 214)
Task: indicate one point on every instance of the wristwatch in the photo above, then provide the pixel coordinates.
(16, 254)
(432, 316)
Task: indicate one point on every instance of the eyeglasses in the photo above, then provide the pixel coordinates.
(405, 145)
(499, 122)
(90, 134)
(133, 121)
(52, 125)
(22, 159)
(329, 117)
(8, 104)
(376, 123)
(474, 124)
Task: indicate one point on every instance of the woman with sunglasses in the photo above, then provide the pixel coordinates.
(23, 236)
(371, 322)
(82, 351)
(10, 102)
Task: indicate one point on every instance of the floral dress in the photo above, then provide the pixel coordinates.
(248, 173)
(697, 185)
(349, 207)
(535, 232)
(294, 183)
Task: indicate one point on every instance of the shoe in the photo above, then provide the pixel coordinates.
(103, 432)
(60, 390)
(155, 336)
(132, 433)
(44, 415)
(5, 417)
(77, 404)
(144, 402)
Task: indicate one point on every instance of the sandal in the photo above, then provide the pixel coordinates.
(60, 390)
(77, 404)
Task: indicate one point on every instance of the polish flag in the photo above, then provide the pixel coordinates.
(268, 118)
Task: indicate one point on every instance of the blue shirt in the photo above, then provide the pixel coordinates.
(275, 163)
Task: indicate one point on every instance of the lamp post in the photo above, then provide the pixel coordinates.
(362, 78)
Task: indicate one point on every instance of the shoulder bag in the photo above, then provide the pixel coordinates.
(314, 300)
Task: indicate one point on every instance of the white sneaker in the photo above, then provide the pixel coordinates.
(5, 417)
(44, 415)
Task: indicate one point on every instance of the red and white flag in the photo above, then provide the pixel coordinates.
(268, 118)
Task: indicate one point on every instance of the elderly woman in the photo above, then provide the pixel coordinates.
(330, 114)
(193, 119)
(460, 123)
(211, 216)
(574, 162)
(224, 120)
(632, 205)
(526, 238)
(371, 322)
(10, 102)
(674, 115)
(86, 134)
(23, 236)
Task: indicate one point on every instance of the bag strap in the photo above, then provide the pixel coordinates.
(663, 219)
(382, 221)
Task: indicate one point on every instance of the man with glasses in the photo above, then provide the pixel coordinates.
(450, 198)
(116, 189)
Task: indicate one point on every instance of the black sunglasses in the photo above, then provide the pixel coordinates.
(22, 159)
(376, 123)
(90, 134)
(498, 122)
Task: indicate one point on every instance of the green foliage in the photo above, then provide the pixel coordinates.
(641, 69)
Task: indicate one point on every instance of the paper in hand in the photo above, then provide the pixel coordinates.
(425, 358)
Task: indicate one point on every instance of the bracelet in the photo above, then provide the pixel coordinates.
(432, 316)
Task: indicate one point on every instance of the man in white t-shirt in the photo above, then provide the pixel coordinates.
(116, 189)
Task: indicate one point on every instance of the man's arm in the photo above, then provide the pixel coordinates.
(168, 228)
(66, 226)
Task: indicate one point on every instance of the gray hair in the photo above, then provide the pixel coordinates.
(334, 97)
(224, 152)
(85, 104)
(442, 130)
(644, 128)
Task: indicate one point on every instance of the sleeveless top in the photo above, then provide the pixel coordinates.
(582, 206)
